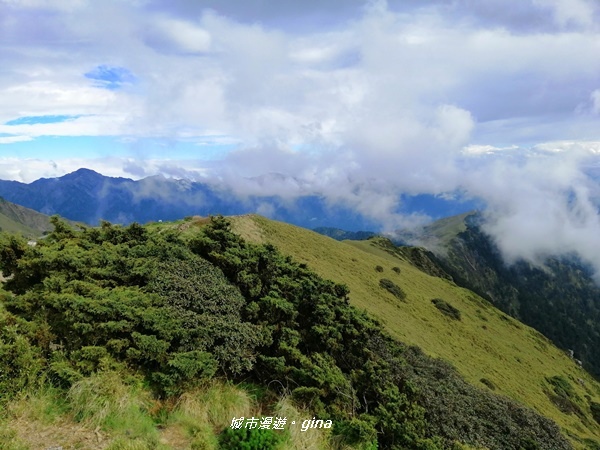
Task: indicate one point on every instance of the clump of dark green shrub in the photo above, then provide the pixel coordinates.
(595, 407)
(446, 308)
(20, 359)
(591, 444)
(248, 439)
(396, 269)
(484, 419)
(561, 386)
(488, 383)
(358, 430)
(128, 295)
(379, 269)
(564, 397)
(392, 288)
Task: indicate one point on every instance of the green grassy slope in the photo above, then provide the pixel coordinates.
(484, 344)
(559, 298)
(18, 219)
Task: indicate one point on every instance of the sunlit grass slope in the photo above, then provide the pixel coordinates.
(484, 345)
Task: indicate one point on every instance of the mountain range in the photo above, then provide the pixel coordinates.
(87, 196)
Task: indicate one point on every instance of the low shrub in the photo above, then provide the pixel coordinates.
(595, 407)
(392, 288)
(446, 308)
(564, 397)
(488, 383)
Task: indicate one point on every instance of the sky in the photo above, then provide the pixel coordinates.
(357, 101)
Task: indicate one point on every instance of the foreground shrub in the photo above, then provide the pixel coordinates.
(249, 439)
(21, 362)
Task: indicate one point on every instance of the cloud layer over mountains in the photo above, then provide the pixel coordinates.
(356, 101)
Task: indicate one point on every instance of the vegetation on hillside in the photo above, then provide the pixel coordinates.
(175, 311)
(485, 344)
(559, 299)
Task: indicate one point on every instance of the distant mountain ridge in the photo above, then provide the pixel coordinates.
(87, 196)
(340, 235)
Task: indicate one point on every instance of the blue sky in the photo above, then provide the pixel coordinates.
(361, 102)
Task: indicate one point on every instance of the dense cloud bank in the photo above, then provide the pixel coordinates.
(356, 102)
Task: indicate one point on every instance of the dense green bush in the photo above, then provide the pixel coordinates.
(392, 288)
(488, 383)
(138, 297)
(182, 309)
(595, 407)
(249, 439)
(378, 269)
(21, 362)
(564, 396)
(446, 308)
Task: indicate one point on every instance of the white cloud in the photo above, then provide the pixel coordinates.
(14, 139)
(596, 101)
(183, 36)
(484, 97)
(570, 12)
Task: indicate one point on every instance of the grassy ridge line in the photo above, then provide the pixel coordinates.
(484, 344)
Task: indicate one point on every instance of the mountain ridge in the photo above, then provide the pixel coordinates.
(87, 196)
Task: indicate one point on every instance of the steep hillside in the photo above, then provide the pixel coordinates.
(18, 219)
(560, 298)
(487, 347)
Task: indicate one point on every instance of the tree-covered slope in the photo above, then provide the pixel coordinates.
(486, 346)
(179, 306)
